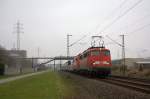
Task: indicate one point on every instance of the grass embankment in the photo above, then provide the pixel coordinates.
(44, 86)
(4, 76)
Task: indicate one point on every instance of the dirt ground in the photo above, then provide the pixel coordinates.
(84, 88)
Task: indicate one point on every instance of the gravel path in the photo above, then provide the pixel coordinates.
(92, 89)
(19, 77)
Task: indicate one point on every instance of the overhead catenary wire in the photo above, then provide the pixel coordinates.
(139, 29)
(77, 41)
(131, 33)
(114, 41)
(106, 27)
(135, 22)
(120, 16)
(114, 11)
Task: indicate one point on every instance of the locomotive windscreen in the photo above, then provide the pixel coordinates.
(106, 53)
(95, 53)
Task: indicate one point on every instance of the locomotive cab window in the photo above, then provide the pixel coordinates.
(95, 53)
(106, 53)
(86, 54)
(81, 57)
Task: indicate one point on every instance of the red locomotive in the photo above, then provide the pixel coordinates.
(94, 61)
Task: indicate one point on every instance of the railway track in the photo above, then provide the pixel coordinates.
(138, 84)
(131, 83)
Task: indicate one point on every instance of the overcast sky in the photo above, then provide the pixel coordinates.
(46, 24)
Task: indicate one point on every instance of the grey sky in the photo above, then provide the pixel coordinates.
(47, 22)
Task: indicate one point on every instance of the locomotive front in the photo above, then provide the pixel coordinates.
(99, 61)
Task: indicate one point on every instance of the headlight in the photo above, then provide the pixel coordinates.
(96, 62)
(100, 62)
(105, 62)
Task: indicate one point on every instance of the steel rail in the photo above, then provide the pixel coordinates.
(136, 84)
(129, 83)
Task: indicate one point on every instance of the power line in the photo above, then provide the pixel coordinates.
(113, 12)
(141, 28)
(128, 10)
(120, 16)
(114, 41)
(112, 21)
(117, 8)
(77, 41)
(135, 22)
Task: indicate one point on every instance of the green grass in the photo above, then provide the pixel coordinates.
(3, 76)
(9, 76)
(44, 86)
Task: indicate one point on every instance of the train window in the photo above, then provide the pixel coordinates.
(81, 56)
(69, 62)
(76, 59)
(95, 53)
(107, 53)
(86, 54)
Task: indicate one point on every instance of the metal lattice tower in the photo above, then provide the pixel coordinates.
(123, 55)
(18, 31)
(68, 45)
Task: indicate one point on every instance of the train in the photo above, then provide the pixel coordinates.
(96, 60)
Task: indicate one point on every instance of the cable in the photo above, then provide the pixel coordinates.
(114, 41)
(135, 22)
(128, 10)
(129, 35)
(77, 41)
(140, 28)
(101, 23)
(114, 11)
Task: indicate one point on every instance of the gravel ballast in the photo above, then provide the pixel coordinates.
(85, 88)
